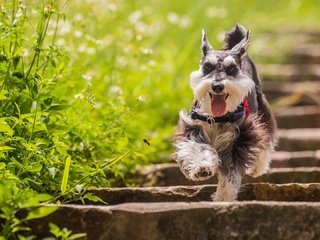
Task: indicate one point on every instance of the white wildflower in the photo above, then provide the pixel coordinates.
(52, 171)
(78, 34)
(87, 77)
(216, 12)
(112, 7)
(79, 188)
(147, 51)
(91, 50)
(116, 89)
(78, 17)
(64, 27)
(134, 17)
(141, 99)
(78, 96)
(173, 18)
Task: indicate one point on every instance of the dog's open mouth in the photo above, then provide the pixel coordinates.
(218, 104)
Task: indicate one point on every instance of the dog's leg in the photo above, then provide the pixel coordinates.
(228, 186)
(197, 161)
(262, 163)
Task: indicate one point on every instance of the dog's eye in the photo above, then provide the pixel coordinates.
(207, 68)
(232, 70)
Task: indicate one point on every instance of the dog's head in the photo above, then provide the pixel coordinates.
(220, 85)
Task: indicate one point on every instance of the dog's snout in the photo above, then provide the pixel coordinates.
(217, 87)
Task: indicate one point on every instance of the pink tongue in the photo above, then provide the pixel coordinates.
(218, 104)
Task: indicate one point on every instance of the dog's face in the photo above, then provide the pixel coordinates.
(220, 85)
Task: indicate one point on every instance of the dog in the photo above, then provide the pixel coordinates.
(230, 130)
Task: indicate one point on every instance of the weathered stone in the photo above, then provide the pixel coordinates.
(305, 53)
(298, 117)
(288, 175)
(282, 159)
(289, 72)
(299, 139)
(276, 89)
(195, 220)
(257, 191)
(170, 175)
(280, 192)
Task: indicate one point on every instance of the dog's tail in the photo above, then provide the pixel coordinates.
(234, 36)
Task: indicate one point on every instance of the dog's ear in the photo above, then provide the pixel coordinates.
(241, 48)
(205, 46)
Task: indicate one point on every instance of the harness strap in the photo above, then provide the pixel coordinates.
(243, 111)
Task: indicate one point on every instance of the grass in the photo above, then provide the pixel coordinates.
(91, 89)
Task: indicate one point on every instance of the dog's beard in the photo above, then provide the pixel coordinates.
(235, 90)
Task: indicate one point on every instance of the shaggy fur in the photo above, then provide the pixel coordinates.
(228, 149)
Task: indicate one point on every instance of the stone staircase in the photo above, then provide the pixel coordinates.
(282, 204)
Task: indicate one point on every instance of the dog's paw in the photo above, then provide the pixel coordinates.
(202, 173)
(217, 197)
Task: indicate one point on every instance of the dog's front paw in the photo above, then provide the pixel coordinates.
(201, 173)
(197, 161)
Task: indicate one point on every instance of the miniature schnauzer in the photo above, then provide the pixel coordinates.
(230, 129)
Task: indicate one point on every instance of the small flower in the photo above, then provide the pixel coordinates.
(112, 7)
(91, 50)
(181, 21)
(116, 89)
(78, 34)
(134, 17)
(141, 99)
(78, 96)
(52, 171)
(173, 18)
(64, 27)
(79, 188)
(87, 77)
(147, 51)
(216, 12)
(78, 17)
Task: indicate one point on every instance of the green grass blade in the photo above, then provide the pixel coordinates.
(65, 175)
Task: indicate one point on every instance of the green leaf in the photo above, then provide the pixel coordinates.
(5, 148)
(56, 107)
(3, 94)
(2, 165)
(41, 212)
(93, 198)
(65, 175)
(77, 235)
(54, 229)
(5, 128)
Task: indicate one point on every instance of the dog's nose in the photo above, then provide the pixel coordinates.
(217, 87)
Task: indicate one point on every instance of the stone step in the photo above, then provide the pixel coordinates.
(278, 89)
(298, 117)
(248, 192)
(282, 159)
(193, 220)
(299, 139)
(292, 94)
(170, 175)
(289, 72)
(305, 53)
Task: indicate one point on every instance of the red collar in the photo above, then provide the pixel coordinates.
(246, 107)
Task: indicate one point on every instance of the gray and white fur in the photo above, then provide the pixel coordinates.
(230, 150)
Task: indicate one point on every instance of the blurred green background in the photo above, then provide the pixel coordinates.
(145, 50)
